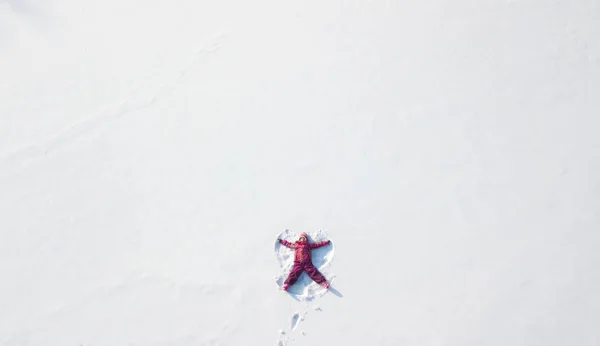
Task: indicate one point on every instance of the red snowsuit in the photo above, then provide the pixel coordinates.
(303, 260)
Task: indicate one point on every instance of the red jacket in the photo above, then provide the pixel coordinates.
(302, 254)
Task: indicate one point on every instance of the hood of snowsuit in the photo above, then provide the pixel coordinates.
(303, 234)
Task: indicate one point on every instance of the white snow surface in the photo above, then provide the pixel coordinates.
(151, 150)
(305, 289)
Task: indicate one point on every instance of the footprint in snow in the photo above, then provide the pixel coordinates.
(295, 320)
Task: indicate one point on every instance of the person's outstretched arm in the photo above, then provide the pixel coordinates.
(287, 243)
(319, 244)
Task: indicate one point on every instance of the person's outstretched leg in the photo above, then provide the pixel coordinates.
(293, 276)
(316, 275)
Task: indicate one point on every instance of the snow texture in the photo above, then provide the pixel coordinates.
(150, 150)
(305, 289)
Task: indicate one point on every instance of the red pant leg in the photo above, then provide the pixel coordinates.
(295, 273)
(314, 273)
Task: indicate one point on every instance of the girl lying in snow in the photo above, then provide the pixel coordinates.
(303, 261)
